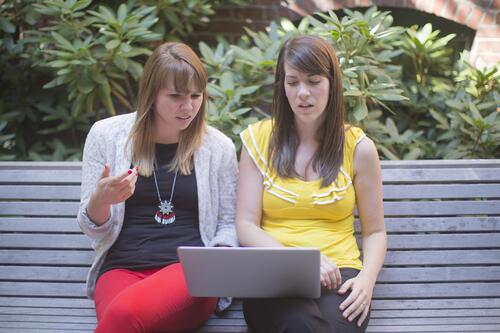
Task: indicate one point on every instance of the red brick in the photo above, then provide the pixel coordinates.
(365, 3)
(495, 5)
(438, 6)
(462, 13)
(488, 46)
(487, 19)
(475, 17)
(488, 32)
(449, 10)
(224, 26)
(283, 12)
(498, 18)
(490, 59)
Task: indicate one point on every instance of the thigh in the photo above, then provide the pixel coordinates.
(161, 302)
(284, 315)
(329, 303)
(109, 285)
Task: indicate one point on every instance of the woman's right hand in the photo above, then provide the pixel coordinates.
(115, 189)
(329, 273)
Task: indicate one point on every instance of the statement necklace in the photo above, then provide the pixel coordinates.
(165, 213)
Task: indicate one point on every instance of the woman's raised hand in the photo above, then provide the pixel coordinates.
(115, 189)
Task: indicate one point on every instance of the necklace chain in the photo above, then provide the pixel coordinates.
(158, 189)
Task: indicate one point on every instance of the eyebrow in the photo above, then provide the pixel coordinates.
(294, 76)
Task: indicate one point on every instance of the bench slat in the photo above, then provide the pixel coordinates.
(21, 311)
(47, 257)
(409, 290)
(37, 273)
(432, 224)
(394, 257)
(39, 224)
(437, 241)
(439, 191)
(475, 328)
(387, 275)
(52, 302)
(402, 208)
(451, 175)
(45, 192)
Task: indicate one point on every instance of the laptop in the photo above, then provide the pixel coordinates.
(251, 272)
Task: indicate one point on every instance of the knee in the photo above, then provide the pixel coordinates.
(120, 317)
(301, 322)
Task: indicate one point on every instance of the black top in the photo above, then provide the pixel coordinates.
(144, 243)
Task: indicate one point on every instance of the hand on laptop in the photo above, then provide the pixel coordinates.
(329, 273)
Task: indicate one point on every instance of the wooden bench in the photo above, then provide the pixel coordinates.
(441, 274)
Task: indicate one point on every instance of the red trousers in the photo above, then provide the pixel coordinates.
(155, 300)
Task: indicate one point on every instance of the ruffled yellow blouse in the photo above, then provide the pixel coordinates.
(299, 213)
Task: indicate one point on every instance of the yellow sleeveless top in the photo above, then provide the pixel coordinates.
(299, 213)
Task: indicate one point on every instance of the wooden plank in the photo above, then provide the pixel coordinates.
(443, 257)
(45, 302)
(438, 274)
(441, 175)
(435, 321)
(443, 241)
(434, 328)
(45, 289)
(30, 241)
(39, 224)
(440, 313)
(432, 304)
(41, 177)
(39, 330)
(37, 273)
(440, 191)
(48, 319)
(47, 257)
(46, 192)
(441, 208)
(437, 290)
(20, 311)
(400, 208)
(433, 224)
(38, 208)
(61, 326)
(440, 164)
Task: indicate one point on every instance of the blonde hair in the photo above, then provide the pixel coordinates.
(177, 63)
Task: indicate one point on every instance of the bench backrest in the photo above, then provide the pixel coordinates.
(442, 217)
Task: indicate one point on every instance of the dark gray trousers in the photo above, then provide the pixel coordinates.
(301, 315)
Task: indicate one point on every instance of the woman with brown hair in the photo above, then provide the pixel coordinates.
(154, 180)
(304, 171)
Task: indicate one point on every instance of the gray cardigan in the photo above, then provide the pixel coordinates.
(216, 177)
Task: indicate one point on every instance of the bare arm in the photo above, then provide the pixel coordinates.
(368, 185)
(249, 205)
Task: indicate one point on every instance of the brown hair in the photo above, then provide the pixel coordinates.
(177, 63)
(312, 55)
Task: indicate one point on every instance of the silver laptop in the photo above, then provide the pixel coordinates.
(251, 272)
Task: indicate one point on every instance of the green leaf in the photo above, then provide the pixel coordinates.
(63, 42)
(112, 44)
(227, 81)
(122, 13)
(248, 90)
(7, 26)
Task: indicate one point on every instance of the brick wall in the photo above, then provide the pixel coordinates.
(481, 15)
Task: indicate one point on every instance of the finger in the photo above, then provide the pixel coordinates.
(363, 315)
(325, 280)
(346, 286)
(356, 308)
(338, 277)
(122, 176)
(351, 298)
(105, 171)
(127, 191)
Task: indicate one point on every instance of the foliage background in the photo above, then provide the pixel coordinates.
(66, 63)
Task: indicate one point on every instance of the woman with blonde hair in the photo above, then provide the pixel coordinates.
(154, 180)
(305, 171)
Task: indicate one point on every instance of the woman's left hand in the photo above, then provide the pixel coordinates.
(358, 301)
